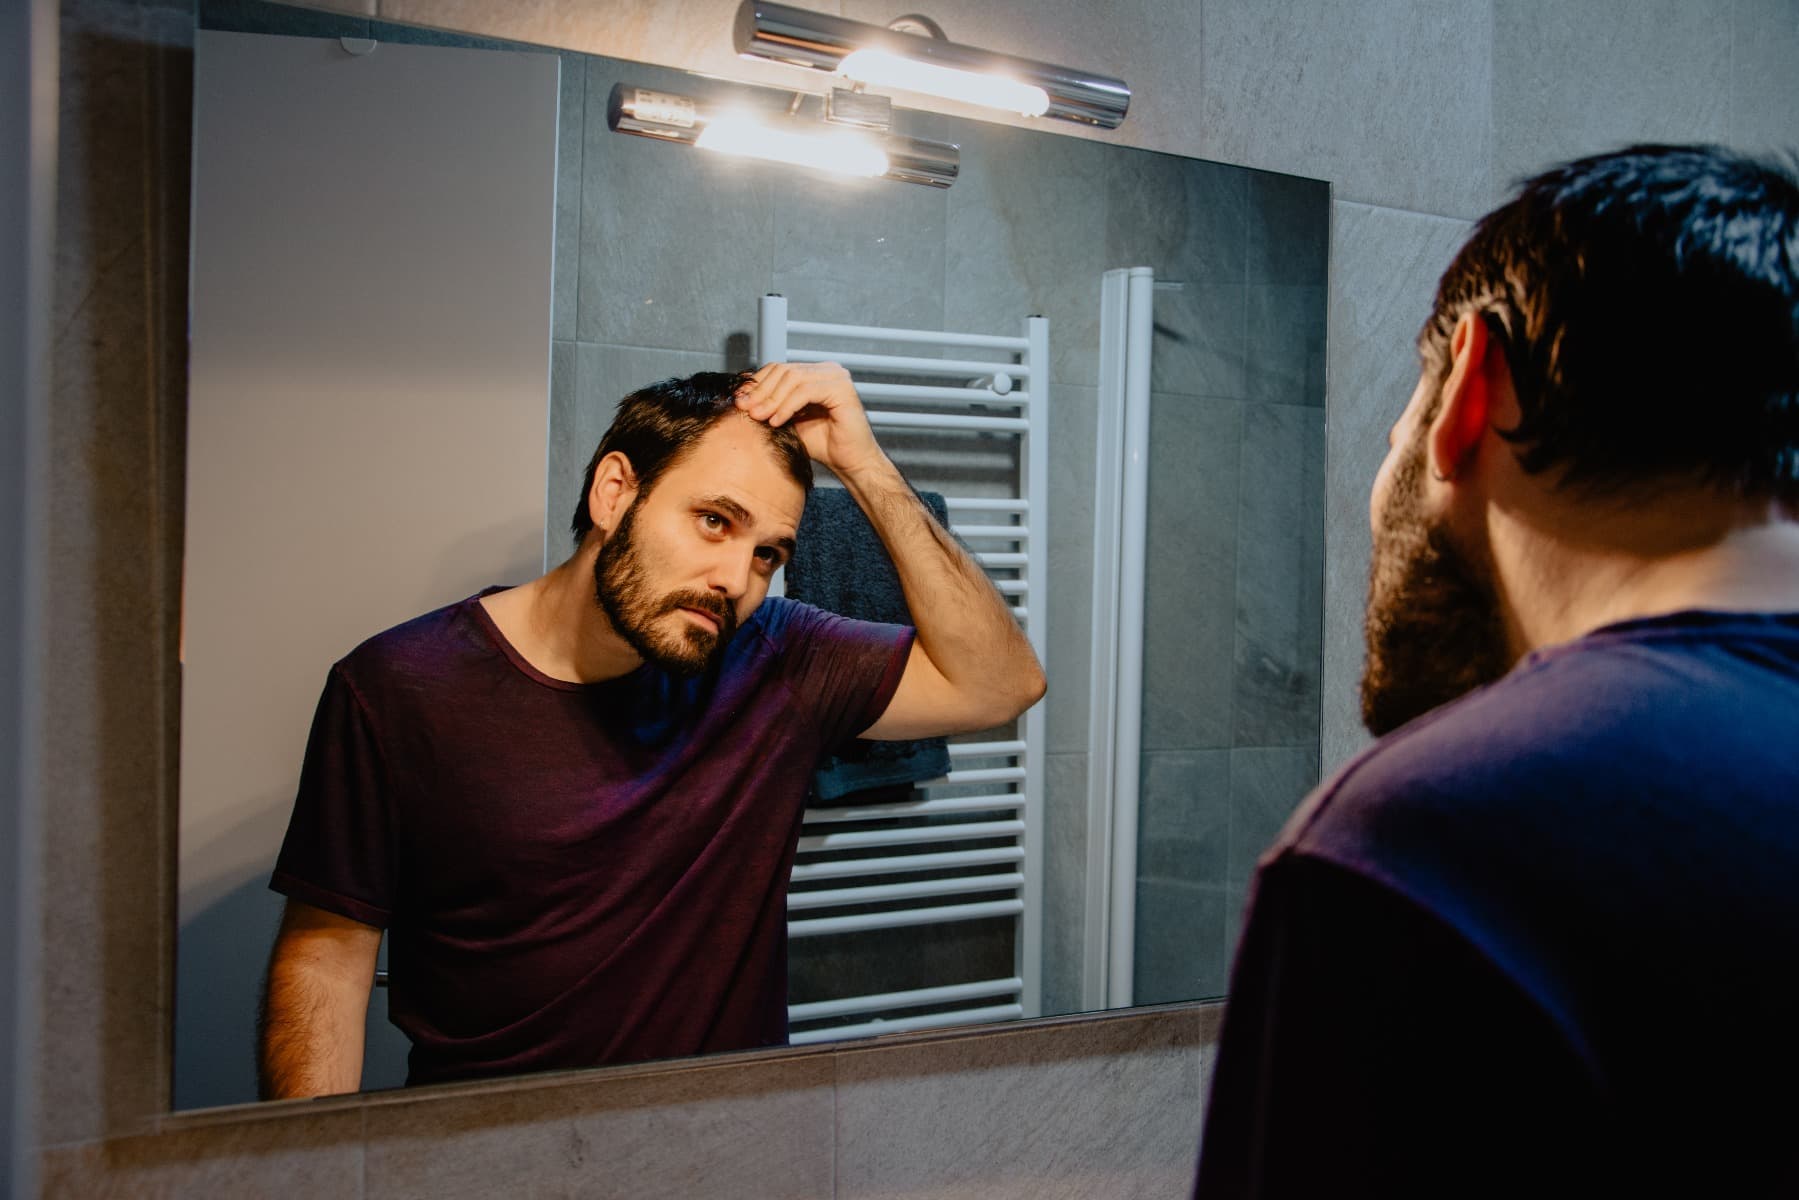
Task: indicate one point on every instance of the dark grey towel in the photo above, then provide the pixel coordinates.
(840, 565)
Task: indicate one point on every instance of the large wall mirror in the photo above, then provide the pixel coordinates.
(397, 386)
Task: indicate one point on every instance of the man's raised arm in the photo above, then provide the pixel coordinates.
(315, 1004)
(971, 667)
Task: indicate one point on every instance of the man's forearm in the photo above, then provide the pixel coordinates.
(964, 624)
(312, 1031)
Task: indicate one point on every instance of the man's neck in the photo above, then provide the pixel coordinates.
(1565, 578)
(556, 624)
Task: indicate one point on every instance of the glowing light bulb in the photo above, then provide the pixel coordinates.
(839, 152)
(882, 68)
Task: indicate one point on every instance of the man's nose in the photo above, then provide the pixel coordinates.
(731, 572)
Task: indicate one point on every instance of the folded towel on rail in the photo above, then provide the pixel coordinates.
(840, 565)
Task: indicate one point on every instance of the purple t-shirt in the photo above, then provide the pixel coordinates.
(1543, 941)
(575, 874)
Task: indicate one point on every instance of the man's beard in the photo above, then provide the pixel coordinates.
(623, 594)
(1434, 630)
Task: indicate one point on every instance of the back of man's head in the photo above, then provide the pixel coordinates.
(1648, 305)
(655, 426)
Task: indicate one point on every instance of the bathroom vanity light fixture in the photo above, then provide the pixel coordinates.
(931, 65)
(837, 148)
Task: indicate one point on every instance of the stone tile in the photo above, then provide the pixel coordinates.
(1073, 421)
(1284, 360)
(259, 16)
(1574, 79)
(571, 139)
(1189, 584)
(690, 33)
(295, 1155)
(586, 384)
(1097, 1108)
(1183, 820)
(1267, 784)
(574, 432)
(1384, 268)
(1064, 881)
(108, 711)
(1289, 229)
(859, 252)
(1025, 236)
(761, 1129)
(1764, 88)
(1181, 952)
(1201, 340)
(421, 35)
(1186, 219)
(1277, 650)
(1392, 106)
(675, 242)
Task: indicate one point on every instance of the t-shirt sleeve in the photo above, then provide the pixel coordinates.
(339, 851)
(843, 671)
(1369, 1050)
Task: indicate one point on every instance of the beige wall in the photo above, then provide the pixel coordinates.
(1418, 112)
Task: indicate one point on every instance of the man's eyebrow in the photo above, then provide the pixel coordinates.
(743, 517)
(730, 508)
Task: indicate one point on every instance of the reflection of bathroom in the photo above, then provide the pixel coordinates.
(1231, 584)
(1234, 539)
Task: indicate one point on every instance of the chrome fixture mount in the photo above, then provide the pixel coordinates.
(673, 118)
(797, 36)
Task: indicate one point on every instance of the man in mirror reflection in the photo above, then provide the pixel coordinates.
(573, 804)
(1543, 937)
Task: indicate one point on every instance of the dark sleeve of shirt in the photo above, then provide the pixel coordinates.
(843, 670)
(1369, 1050)
(339, 851)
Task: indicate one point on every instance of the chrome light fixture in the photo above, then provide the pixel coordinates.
(839, 147)
(885, 57)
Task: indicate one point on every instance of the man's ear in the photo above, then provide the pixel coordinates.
(614, 487)
(1466, 407)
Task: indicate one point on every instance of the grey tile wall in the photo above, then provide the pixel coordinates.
(1764, 88)
(1073, 425)
(1571, 79)
(1064, 881)
(1190, 581)
(1026, 236)
(111, 552)
(761, 1129)
(1278, 615)
(1110, 1111)
(1390, 100)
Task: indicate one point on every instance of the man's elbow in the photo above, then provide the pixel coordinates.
(1028, 686)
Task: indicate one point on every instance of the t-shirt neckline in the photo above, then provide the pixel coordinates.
(490, 629)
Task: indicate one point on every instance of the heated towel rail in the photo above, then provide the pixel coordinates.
(969, 845)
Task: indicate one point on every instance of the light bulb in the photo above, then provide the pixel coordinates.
(841, 153)
(883, 68)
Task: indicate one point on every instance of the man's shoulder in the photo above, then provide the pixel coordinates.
(425, 639)
(1621, 719)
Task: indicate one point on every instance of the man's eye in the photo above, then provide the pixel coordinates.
(713, 523)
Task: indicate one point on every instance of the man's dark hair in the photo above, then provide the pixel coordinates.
(656, 425)
(1647, 302)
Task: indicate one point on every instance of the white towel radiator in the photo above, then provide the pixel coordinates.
(993, 794)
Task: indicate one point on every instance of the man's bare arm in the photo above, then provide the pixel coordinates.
(971, 667)
(315, 1003)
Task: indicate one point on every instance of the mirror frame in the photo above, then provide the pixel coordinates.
(1206, 1012)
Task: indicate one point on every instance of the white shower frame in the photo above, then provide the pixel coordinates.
(982, 521)
(1115, 711)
